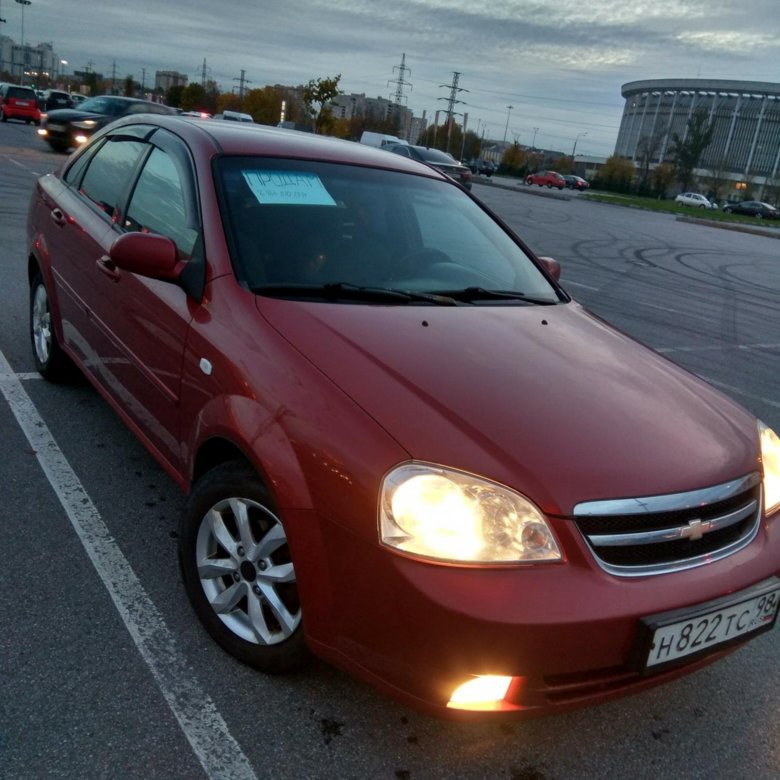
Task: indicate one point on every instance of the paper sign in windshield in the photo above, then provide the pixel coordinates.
(289, 187)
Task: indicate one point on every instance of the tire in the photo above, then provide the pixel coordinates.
(759, 215)
(549, 186)
(59, 146)
(244, 591)
(50, 361)
(3, 117)
(528, 182)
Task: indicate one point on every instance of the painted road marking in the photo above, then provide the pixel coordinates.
(203, 726)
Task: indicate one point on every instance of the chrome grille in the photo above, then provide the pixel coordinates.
(658, 534)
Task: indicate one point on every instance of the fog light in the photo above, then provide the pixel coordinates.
(484, 692)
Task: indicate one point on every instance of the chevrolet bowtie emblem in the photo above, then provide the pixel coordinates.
(695, 530)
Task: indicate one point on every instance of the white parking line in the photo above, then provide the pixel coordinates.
(203, 726)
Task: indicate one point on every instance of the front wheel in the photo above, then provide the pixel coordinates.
(238, 571)
(50, 361)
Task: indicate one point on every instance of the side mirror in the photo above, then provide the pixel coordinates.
(553, 267)
(147, 254)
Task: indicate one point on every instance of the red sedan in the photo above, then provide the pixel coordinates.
(406, 448)
(547, 179)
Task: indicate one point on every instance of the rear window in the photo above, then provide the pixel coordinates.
(20, 93)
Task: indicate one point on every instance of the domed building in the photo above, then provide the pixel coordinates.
(744, 154)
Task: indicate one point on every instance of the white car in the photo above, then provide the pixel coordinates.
(694, 199)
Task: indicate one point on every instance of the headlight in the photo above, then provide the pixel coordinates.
(770, 457)
(440, 513)
(85, 124)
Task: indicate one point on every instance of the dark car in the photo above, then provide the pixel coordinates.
(405, 447)
(753, 208)
(442, 161)
(546, 179)
(18, 102)
(56, 98)
(482, 167)
(66, 128)
(576, 182)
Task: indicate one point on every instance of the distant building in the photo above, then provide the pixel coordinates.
(165, 79)
(745, 114)
(28, 64)
(379, 109)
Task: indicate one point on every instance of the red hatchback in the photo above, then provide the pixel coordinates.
(406, 448)
(546, 178)
(19, 103)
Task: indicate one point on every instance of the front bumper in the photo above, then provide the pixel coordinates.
(565, 633)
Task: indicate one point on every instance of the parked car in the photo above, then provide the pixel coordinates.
(17, 102)
(234, 116)
(482, 167)
(442, 161)
(405, 447)
(576, 182)
(65, 128)
(77, 98)
(546, 178)
(753, 208)
(55, 98)
(695, 199)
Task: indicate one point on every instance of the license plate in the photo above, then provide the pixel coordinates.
(57, 128)
(672, 636)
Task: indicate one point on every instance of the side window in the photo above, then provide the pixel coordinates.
(158, 203)
(109, 171)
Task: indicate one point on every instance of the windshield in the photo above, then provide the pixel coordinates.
(298, 227)
(103, 105)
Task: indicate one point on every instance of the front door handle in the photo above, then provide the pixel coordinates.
(58, 217)
(106, 266)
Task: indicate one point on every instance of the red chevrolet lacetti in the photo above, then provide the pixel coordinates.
(406, 448)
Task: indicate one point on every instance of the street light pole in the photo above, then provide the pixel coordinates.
(533, 143)
(574, 148)
(508, 113)
(23, 3)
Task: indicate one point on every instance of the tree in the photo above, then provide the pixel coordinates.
(647, 149)
(173, 95)
(316, 95)
(687, 151)
(193, 97)
(617, 174)
(663, 178)
(265, 105)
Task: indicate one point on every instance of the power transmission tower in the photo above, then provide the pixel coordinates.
(452, 101)
(242, 80)
(203, 74)
(399, 98)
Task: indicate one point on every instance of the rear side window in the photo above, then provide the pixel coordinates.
(109, 172)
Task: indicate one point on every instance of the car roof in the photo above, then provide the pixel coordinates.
(239, 138)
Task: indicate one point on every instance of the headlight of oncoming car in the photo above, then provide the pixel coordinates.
(435, 512)
(770, 457)
(85, 124)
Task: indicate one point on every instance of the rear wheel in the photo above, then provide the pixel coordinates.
(238, 572)
(50, 361)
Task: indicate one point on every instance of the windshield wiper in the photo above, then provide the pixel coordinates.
(352, 292)
(471, 294)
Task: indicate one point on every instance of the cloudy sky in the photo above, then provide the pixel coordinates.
(559, 64)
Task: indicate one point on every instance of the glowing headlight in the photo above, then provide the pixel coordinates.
(434, 512)
(770, 457)
(85, 124)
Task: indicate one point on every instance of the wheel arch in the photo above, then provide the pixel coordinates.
(259, 440)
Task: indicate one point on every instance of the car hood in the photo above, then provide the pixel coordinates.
(65, 115)
(549, 400)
